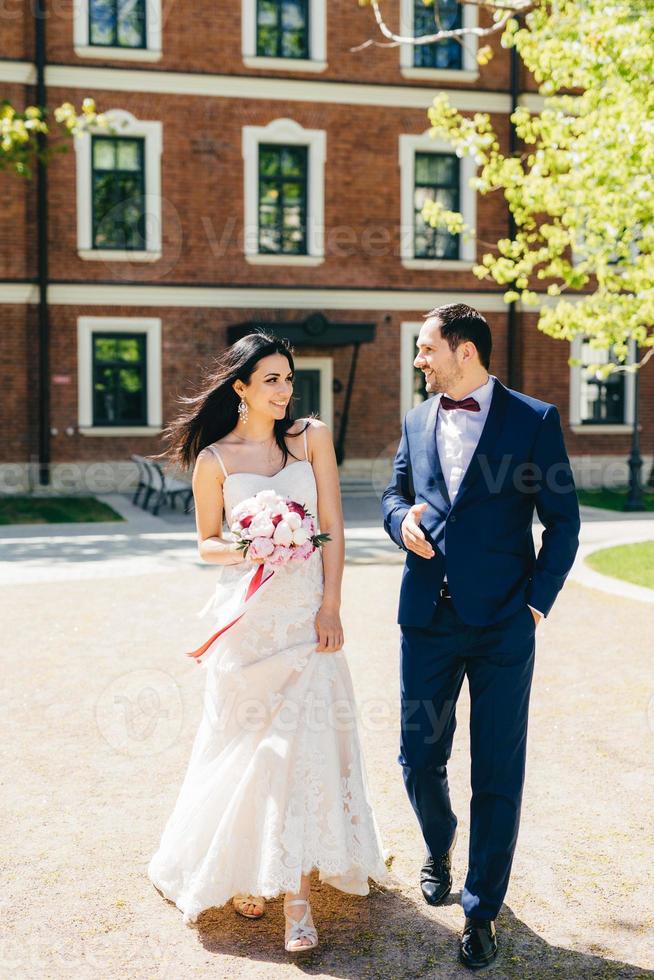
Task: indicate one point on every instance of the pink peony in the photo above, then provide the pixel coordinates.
(309, 525)
(262, 526)
(283, 535)
(293, 520)
(280, 555)
(260, 548)
(303, 551)
(300, 536)
(296, 508)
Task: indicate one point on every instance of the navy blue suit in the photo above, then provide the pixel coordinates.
(486, 632)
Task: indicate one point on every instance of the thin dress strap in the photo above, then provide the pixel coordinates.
(214, 450)
(306, 448)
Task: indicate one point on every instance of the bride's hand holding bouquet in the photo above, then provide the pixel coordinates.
(272, 530)
(269, 531)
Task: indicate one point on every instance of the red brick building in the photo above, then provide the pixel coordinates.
(259, 172)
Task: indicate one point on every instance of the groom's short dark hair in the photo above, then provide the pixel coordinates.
(458, 323)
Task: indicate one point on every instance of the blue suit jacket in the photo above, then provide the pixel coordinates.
(520, 464)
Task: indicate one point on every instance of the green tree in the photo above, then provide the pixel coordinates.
(580, 186)
(19, 132)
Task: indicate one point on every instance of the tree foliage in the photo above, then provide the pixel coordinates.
(580, 186)
(19, 132)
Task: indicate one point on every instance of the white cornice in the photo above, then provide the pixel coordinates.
(532, 101)
(21, 72)
(267, 89)
(246, 297)
(18, 292)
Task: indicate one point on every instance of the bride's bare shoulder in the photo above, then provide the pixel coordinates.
(212, 455)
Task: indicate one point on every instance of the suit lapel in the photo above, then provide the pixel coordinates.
(433, 459)
(488, 437)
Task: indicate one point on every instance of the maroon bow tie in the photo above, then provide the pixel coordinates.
(468, 404)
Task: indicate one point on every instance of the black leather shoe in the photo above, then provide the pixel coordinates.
(478, 943)
(436, 876)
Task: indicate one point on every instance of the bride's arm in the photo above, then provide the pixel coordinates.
(330, 518)
(208, 494)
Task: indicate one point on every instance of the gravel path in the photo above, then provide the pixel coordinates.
(100, 711)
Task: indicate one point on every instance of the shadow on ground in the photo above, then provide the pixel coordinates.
(387, 936)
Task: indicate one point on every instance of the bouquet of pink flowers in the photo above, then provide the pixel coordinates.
(275, 529)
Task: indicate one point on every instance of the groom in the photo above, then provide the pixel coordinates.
(472, 465)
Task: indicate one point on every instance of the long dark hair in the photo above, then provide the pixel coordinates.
(213, 411)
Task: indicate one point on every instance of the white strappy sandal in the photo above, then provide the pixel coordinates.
(240, 903)
(300, 929)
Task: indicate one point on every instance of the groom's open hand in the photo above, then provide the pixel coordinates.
(412, 535)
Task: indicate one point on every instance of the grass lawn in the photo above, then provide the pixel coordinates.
(630, 562)
(54, 510)
(612, 499)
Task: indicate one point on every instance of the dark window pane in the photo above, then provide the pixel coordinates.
(268, 162)
(119, 379)
(104, 154)
(442, 15)
(118, 185)
(293, 193)
(283, 28)
(101, 21)
(117, 23)
(282, 199)
(306, 392)
(131, 24)
(128, 156)
(602, 401)
(436, 179)
(293, 160)
(436, 168)
(267, 28)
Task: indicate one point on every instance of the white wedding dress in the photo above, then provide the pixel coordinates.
(276, 782)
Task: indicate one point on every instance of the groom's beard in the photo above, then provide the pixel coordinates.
(441, 382)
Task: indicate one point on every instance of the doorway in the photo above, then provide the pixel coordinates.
(313, 388)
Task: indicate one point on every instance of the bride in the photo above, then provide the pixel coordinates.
(276, 784)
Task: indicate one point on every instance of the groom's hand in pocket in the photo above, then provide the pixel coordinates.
(412, 534)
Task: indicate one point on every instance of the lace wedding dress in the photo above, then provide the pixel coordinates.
(276, 782)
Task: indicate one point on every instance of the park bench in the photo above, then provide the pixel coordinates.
(153, 482)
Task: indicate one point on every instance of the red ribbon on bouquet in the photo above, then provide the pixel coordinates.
(254, 585)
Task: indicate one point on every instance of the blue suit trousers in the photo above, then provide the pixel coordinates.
(498, 661)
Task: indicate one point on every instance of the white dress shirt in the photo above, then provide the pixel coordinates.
(457, 434)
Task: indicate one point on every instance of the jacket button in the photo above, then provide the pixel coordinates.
(452, 518)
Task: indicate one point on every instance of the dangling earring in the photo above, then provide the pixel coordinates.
(243, 410)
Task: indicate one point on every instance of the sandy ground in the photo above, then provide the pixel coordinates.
(100, 708)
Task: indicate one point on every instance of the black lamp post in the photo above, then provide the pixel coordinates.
(634, 499)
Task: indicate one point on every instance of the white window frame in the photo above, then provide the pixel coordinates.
(409, 146)
(123, 123)
(153, 32)
(287, 133)
(469, 71)
(326, 367)
(317, 60)
(86, 327)
(610, 428)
